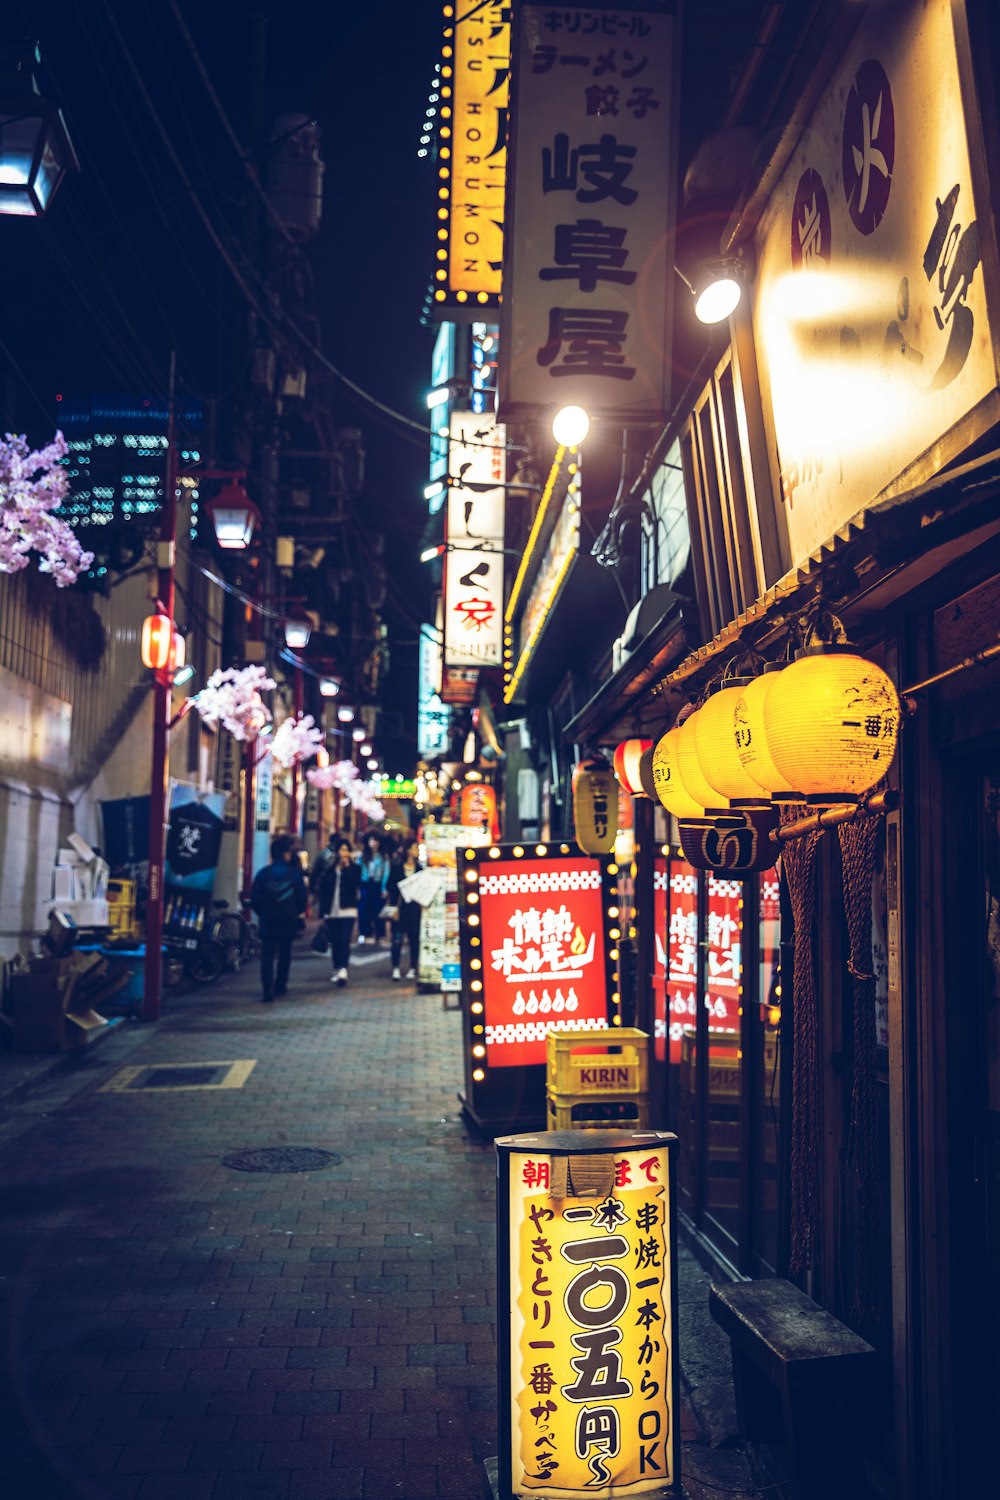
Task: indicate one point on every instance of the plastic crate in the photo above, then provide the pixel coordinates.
(597, 1112)
(610, 1063)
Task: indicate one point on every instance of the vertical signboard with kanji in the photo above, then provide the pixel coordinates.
(474, 87)
(473, 575)
(587, 1298)
(537, 954)
(661, 876)
(588, 265)
(682, 952)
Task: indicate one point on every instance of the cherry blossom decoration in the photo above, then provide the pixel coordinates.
(231, 697)
(296, 740)
(343, 776)
(33, 484)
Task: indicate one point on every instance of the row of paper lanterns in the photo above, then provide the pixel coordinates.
(822, 730)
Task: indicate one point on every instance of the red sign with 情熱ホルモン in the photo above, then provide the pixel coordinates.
(543, 954)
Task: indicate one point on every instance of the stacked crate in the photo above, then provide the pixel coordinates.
(597, 1080)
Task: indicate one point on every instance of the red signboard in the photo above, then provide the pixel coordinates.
(661, 876)
(543, 953)
(722, 972)
(682, 951)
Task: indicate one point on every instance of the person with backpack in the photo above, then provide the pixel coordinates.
(337, 888)
(279, 898)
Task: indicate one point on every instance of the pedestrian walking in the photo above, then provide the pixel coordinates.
(278, 896)
(406, 919)
(374, 877)
(338, 893)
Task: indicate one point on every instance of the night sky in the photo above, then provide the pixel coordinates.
(122, 269)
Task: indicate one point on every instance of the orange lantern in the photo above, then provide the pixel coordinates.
(157, 641)
(689, 765)
(477, 806)
(626, 763)
(670, 787)
(595, 805)
(717, 748)
(831, 721)
(751, 737)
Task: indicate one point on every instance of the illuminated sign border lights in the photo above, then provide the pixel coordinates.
(470, 866)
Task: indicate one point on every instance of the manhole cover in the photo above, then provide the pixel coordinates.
(282, 1159)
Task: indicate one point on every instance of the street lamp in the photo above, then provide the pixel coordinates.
(329, 687)
(359, 734)
(345, 714)
(570, 426)
(233, 515)
(35, 148)
(298, 629)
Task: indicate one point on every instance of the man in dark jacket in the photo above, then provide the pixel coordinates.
(279, 899)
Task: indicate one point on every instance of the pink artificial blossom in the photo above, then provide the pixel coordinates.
(337, 775)
(231, 697)
(296, 740)
(33, 484)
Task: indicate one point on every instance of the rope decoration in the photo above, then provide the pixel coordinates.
(858, 841)
(798, 859)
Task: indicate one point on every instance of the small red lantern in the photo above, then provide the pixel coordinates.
(157, 641)
(626, 763)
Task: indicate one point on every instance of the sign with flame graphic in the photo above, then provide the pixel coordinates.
(539, 953)
(543, 954)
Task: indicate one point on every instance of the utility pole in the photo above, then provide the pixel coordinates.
(159, 813)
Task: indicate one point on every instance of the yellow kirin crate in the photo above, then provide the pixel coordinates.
(610, 1062)
(597, 1112)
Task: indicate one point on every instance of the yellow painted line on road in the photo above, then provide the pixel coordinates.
(125, 1080)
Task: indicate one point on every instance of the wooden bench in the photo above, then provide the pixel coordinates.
(800, 1378)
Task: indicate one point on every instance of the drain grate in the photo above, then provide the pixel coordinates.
(182, 1077)
(282, 1159)
(169, 1077)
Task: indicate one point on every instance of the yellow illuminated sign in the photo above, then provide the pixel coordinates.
(592, 1365)
(473, 153)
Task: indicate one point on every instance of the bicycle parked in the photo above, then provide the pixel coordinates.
(230, 941)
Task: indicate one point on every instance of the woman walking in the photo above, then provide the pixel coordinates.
(337, 889)
(374, 877)
(406, 923)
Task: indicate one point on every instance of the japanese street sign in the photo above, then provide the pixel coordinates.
(473, 159)
(588, 266)
(586, 1233)
(870, 313)
(473, 588)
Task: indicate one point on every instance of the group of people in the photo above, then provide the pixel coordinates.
(347, 888)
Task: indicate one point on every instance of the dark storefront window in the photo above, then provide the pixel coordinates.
(722, 945)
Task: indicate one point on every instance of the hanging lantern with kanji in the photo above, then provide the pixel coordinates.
(668, 782)
(831, 721)
(595, 805)
(717, 749)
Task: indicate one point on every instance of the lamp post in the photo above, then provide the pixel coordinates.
(35, 149)
(166, 552)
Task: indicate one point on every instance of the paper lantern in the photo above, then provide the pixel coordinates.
(751, 737)
(477, 806)
(157, 641)
(670, 788)
(626, 764)
(689, 766)
(718, 752)
(832, 721)
(595, 805)
(646, 773)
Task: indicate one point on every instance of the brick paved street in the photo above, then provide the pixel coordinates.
(175, 1328)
